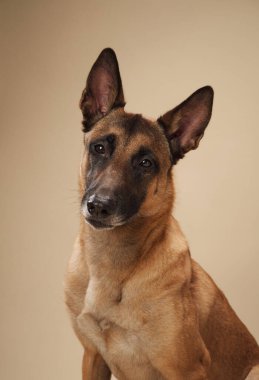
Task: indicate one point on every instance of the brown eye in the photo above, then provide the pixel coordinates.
(146, 163)
(99, 148)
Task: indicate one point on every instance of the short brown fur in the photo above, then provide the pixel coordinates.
(141, 307)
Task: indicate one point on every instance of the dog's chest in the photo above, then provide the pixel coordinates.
(113, 322)
(101, 296)
(108, 303)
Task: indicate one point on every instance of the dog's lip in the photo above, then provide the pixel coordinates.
(98, 224)
(106, 225)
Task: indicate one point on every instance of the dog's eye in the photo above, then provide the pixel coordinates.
(99, 148)
(146, 163)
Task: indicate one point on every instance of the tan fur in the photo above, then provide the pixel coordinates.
(141, 306)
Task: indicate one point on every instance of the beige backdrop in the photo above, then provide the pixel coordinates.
(166, 50)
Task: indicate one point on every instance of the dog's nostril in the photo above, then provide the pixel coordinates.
(97, 209)
(90, 207)
(100, 207)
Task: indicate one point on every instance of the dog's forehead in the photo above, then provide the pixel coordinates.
(132, 129)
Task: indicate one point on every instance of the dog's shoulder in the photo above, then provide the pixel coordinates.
(76, 279)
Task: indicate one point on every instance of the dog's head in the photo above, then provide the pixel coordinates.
(126, 169)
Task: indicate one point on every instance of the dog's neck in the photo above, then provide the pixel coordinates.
(124, 246)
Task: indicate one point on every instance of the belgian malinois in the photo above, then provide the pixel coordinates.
(141, 307)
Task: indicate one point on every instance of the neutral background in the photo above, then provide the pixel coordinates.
(166, 50)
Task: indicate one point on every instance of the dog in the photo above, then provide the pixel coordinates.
(139, 304)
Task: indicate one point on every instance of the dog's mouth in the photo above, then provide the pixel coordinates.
(97, 224)
(106, 224)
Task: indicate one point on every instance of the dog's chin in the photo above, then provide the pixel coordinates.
(105, 225)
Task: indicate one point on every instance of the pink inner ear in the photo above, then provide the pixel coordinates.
(192, 124)
(102, 90)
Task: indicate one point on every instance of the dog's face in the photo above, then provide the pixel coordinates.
(126, 170)
(127, 165)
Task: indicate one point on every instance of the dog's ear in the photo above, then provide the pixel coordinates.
(184, 125)
(103, 89)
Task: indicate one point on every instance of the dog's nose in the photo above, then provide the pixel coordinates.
(101, 207)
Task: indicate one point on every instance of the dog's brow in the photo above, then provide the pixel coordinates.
(144, 151)
(110, 138)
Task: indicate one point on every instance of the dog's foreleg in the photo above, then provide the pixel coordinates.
(171, 372)
(180, 364)
(94, 367)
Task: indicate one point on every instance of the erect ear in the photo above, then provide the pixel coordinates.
(184, 125)
(103, 89)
